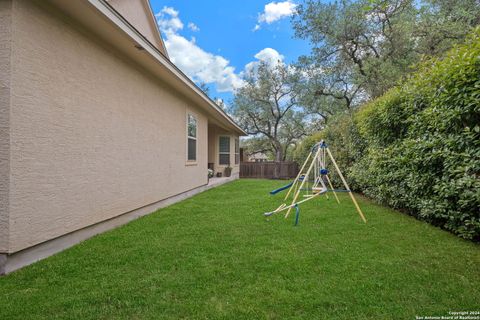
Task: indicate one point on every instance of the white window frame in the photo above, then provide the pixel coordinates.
(229, 150)
(195, 138)
(236, 152)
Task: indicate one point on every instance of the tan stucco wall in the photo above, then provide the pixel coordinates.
(92, 135)
(214, 133)
(139, 15)
(5, 46)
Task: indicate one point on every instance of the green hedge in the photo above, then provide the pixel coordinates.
(417, 148)
(347, 146)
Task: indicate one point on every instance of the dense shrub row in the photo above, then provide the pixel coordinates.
(417, 148)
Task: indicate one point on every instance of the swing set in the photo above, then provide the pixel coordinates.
(313, 182)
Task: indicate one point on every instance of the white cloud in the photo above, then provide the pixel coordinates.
(221, 103)
(203, 66)
(168, 20)
(275, 11)
(192, 26)
(170, 11)
(197, 64)
(268, 55)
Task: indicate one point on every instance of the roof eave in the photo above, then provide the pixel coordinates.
(170, 73)
(101, 5)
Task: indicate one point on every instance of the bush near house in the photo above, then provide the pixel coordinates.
(417, 147)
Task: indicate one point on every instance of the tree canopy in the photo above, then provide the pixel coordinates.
(267, 106)
(359, 50)
(364, 47)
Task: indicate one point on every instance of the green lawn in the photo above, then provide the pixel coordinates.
(215, 256)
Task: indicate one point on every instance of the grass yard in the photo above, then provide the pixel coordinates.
(215, 256)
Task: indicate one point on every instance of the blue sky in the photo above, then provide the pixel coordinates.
(215, 41)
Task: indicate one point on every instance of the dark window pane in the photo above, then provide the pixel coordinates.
(237, 146)
(192, 149)
(224, 144)
(224, 158)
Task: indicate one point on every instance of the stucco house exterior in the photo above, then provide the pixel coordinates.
(97, 125)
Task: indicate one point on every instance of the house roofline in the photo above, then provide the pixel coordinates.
(159, 37)
(165, 60)
(138, 39)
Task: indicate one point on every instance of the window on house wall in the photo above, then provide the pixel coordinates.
(237, 151)
(224, 150)
(191, 138)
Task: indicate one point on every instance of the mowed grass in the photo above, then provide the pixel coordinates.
(215, 256)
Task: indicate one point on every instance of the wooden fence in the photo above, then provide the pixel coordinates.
(269, 170)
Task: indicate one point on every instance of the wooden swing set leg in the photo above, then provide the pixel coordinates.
(295, 182)
(346, 186)
(331, 186)
(305, 178)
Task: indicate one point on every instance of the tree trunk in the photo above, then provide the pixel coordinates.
(278, 155)
(278, 159)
